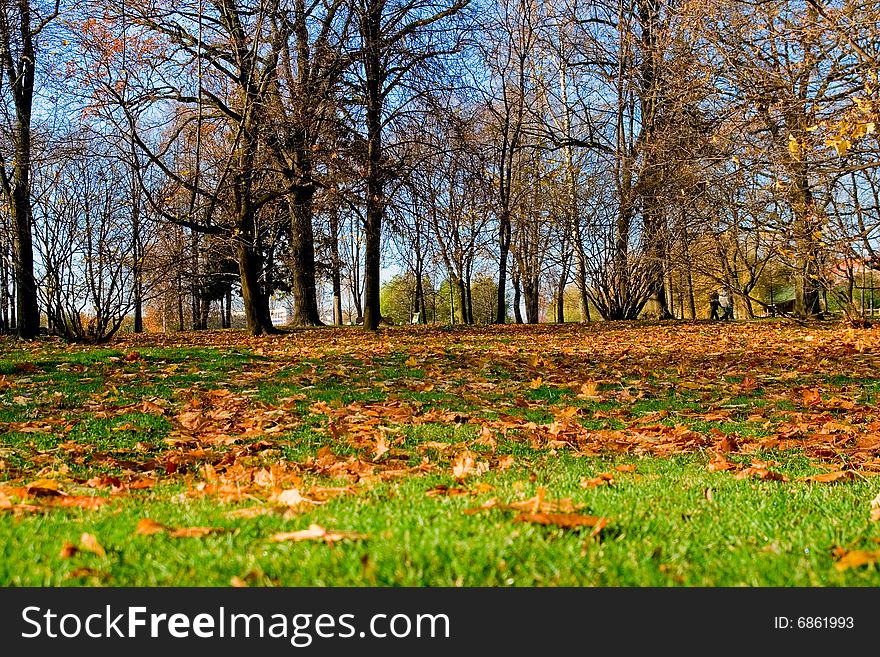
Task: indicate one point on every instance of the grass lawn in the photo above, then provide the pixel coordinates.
(674, 454)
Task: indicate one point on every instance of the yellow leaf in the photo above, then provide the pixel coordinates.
(795, 148)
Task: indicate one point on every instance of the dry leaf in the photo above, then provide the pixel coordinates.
(44, 488)
(317, 533)
(194, 532)
(828, 477)
(68, 550)
(857, 558)
(602, 479)
(89, 502)
(89, 543)
(811, 397)
(875, 509)
(564, 520)
(289, 497)
(463, 465)
(444, 490)
(760, 472)
(380, 448)
(148, 526)
(720, 464)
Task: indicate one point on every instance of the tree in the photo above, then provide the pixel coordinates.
(396, 38)
(22, 22)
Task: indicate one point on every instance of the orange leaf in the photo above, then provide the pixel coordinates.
(564, 520)
(44, 488)
(194, 532)
(720, 464)
(603, 479)
(857, 558)
(443, 489)
(381, 448)
(760, 472)
(148, 526)
(89, 502)
(89, 543)
(68, 550)
(828, 477)
(811, 397)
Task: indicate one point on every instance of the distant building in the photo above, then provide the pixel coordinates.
(281, 310)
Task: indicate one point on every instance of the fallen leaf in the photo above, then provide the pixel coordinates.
(728, 443)
(380, 448)
(828, 477)
(148, 527)
(720, 464)
(875, 509)
(89, 543)
(317, 533)
(289, 497)
(564, 520)
(602, 479)
(760, 472)
(463, 465)
(89, 502)
(589, 390)
(68, 550)
(151, 408)
(44, 488)
(811, 397)
(248, 512)
(857, 558)
(83, 572)
(444, 490)
(194, 532)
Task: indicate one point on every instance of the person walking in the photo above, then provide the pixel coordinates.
(725, 300)
(713, 305)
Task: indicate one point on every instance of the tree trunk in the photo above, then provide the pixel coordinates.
(372, 38)
(517, 313)
(335, 273)
(21, 86)
(302, 252)
(461, 289)
(504, 236)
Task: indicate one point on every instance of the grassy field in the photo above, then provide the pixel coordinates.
(674, 454)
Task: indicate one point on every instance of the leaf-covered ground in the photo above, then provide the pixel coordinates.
(612, 454)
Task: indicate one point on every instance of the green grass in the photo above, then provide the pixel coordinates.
(671, 523)
(74, 413)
